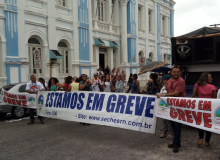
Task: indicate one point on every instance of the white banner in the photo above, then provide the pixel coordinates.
(22, 100)
(128, 111)
(200, 113)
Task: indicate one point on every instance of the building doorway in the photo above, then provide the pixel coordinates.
(102, 60)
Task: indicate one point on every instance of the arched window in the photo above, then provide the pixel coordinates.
(63, 49)
(101, 9)
(35, 57)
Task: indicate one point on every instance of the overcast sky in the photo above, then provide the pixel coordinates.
(194, 14)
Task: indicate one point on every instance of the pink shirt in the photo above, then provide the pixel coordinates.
(176, 85)
(205, 91)
(66, 85)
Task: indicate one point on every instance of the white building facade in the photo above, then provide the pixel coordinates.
(70, 37)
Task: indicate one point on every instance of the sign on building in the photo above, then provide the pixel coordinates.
(37, 58)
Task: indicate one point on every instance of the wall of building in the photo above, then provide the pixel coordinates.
(78, 25)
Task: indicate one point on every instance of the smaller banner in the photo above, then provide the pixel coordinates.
(37, 58)
(128, 111)
(200, 113)
(21, 100)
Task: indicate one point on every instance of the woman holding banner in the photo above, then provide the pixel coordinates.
(204, 89)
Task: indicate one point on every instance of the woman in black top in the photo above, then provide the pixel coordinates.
(130, 80)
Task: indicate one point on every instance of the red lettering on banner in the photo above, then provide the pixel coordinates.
(173, 113)
(178, 102)
(22, 97)
(181, 114)
(171, 101)
(174, 101)
(207, 106)
(193, 104)
(207, 120)
(188, 104)
(24, 103)
(168, 101)
(200, 105)
(9, 100)
(18, 102)
(197, 118)
(189, 116)
(183, 103)
(14, 102)
(5, 99)
(5, 93)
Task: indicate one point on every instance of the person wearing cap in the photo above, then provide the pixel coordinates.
(166, 123)
(96, 83)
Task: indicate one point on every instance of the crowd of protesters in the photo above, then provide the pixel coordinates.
(162, 85)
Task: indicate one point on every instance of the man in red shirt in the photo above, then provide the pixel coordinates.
(175, 87)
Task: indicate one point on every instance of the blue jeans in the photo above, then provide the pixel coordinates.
(152, 91)
(31, 112)
(177, 132)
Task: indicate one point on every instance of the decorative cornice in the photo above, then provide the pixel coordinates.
(35, 13)
(35, 23)
(124, 2)
(64, 8)
(39, 1)
(64, 20)
(64, 29)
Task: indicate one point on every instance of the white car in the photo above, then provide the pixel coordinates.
(16, 112)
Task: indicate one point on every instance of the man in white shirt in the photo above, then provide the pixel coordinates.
(32, 88)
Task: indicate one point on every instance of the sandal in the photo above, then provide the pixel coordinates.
(169, 136)
(162, 135)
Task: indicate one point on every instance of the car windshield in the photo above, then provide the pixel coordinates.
(8, 87)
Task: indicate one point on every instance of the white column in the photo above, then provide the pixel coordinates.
(110, 57)
(143, 18)
(155, 31)
(96, 55)
(124, 44)
(161, 24)
(168, 29)
(51, 28)
(152, 20)
(110, 16)
(70, 57)
(116, 12)
(95, 14)
(166, 26)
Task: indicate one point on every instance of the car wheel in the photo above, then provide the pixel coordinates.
(2, 115)
(18, 112)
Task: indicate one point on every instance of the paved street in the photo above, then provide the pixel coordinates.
(60, 140)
